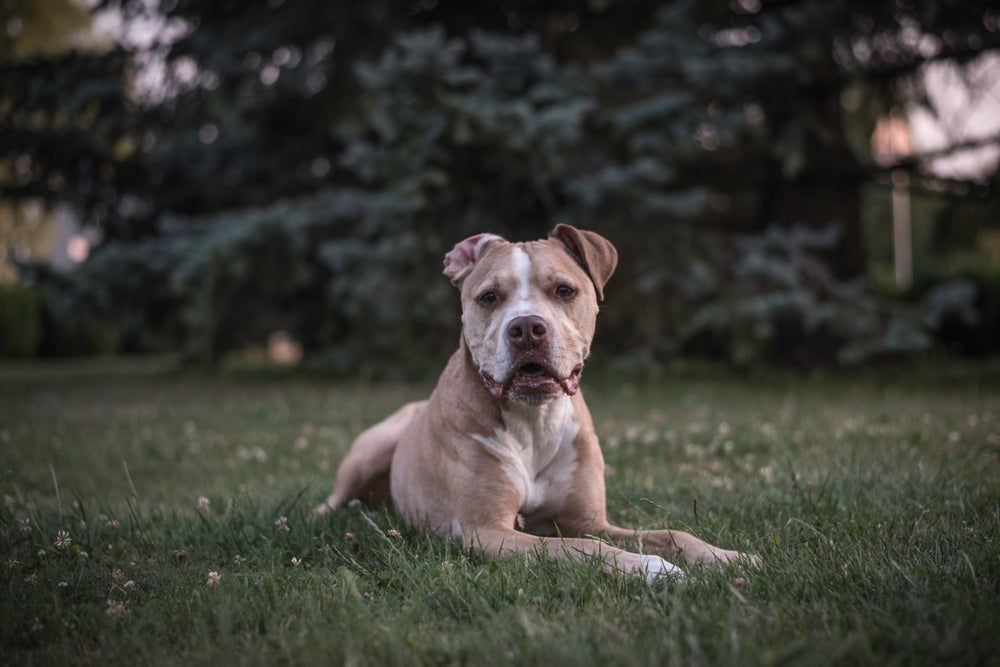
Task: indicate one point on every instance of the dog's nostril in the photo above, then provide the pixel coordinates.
(527, 331)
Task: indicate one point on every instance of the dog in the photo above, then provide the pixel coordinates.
(503, 456)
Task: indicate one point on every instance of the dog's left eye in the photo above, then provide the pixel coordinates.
(565, 292)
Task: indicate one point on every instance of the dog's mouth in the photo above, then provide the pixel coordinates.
(534, 381)
(532, 369)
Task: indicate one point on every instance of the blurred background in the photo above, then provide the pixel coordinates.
(805, 183)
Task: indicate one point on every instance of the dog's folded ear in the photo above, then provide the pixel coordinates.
(464, 256)
(591, 251)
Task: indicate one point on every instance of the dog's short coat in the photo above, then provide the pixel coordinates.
(505, 440)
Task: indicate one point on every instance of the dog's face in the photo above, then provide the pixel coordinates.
(529, 309)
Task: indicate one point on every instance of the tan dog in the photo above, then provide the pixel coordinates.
(506, 440)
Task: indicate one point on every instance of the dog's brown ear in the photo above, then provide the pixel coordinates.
(464, 256)
(592, 251)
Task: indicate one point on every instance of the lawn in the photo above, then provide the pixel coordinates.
(157, 517)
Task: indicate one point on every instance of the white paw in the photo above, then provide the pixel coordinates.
(655, 567)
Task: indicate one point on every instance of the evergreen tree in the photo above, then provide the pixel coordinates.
(304, 164)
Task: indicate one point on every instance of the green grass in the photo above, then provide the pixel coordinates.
(874, 502)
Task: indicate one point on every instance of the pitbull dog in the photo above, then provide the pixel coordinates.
(505, 440)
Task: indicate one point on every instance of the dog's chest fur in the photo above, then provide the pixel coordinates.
(535, 449)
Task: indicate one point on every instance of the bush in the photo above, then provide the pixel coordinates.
(20, 322)
(963, 301)
(778, 302)
(72, 327)
(73, 312)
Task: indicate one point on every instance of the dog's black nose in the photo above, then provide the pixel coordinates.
(527, 332)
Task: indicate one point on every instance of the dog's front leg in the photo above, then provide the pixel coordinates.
(501, 542)
(673, 544)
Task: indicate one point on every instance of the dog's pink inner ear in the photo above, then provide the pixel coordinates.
(464, 256)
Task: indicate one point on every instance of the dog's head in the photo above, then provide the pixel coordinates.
(529, 309)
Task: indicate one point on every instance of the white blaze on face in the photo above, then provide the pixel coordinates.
(520, 304)
(522, 272)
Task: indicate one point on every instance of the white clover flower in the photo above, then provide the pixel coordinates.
(63, 540)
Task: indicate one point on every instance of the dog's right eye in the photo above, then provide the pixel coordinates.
(487, 299)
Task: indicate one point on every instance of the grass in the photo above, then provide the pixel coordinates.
(874, 502)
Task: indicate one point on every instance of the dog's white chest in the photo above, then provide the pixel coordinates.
(536, 451)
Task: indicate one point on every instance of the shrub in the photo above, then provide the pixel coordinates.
(963, 301)
(779, 302)
(71, 326)
(20, 322)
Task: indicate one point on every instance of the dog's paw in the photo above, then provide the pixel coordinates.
(738, 558)
(655, 568)
(321, 510)
(726, 557)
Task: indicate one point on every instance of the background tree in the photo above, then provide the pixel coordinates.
(303, 165)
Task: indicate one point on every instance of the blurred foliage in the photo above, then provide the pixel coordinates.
(20, 322)
(779, 301)
(963, 300)
(304, 166)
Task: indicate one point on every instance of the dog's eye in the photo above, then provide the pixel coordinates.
(487, 299)
(565, 292)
